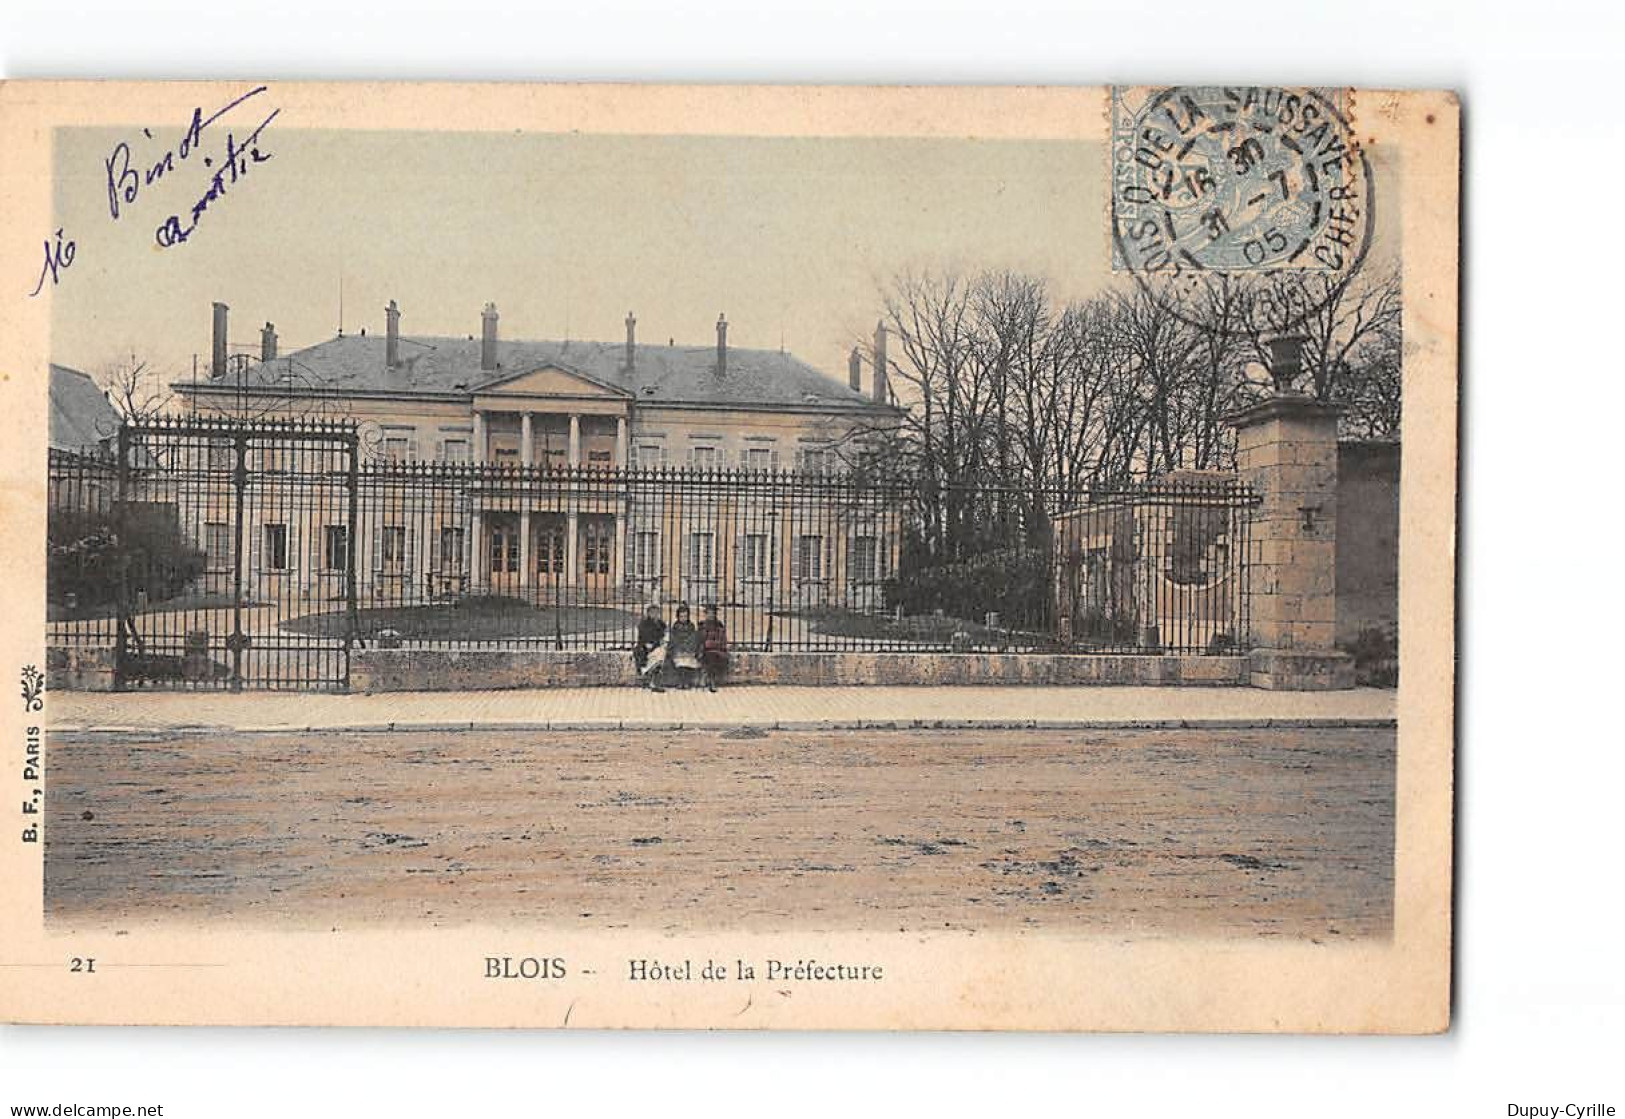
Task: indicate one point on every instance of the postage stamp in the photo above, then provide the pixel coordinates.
(1213, 185)
(727, 557)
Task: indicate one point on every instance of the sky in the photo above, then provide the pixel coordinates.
(792, 238)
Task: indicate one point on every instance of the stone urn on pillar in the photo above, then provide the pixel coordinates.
(1286, 450)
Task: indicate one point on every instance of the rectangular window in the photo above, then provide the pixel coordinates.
(600, 541)
(704, 458)
(217, 546)
(646, 554)
(550, 543)
(274, 459)
(759, 458)
(451, 548)
(810, 556)
(863, 564)
(455, 450)
(392, 548)
(702, 555)
(222, 456)
(649, 456)
(817, 460)
(336, 547)
(753, 563)
(276, 547)
(397, 448)
(600, 458)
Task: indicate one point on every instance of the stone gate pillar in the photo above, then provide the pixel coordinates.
(1286, 450)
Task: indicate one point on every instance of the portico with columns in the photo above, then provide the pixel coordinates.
(531, 537)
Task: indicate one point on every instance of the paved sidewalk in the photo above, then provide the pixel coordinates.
(785, 708)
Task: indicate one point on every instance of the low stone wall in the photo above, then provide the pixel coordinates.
(403, 670)
(1300, 670)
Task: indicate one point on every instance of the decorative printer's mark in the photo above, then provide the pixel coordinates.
(33, 681)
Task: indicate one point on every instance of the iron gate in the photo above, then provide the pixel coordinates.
(223, 531)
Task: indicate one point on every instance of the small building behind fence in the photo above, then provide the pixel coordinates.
(1160, 567)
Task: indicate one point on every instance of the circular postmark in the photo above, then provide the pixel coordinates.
(1258, 198)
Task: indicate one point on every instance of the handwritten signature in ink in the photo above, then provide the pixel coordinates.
(125, 183)
(239, 158)
(57, 259)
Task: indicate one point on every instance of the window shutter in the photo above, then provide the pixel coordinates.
(801, 459)
(440, 450)
(377, 550)
(829, 559)
(773, 459)
(796, 572)
(411, 541)
(740, 560)
(436, 562)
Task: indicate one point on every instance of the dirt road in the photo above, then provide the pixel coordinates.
(1142, 833)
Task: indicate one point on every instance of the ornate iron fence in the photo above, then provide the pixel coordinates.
(218, 554)
(182, 552)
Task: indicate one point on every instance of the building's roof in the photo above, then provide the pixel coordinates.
(660, 374)
(81, 416)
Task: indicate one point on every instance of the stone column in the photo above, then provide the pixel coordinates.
(527, 457)
(570, 566)
(617, 562)
(1286, 450)
(476, 526)
(617, 558)
(575, 440)
(527, 576)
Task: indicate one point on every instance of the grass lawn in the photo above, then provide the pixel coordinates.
(58, 612)
(837, 622)
(470, 619)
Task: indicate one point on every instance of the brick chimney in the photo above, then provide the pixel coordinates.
(217, 357)
(268, 342)
(488, 337)
(854, 370)
(722, 345)
(392, 335)
(882, 394)
(631, 340)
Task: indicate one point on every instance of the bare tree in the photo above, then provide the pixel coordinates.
(1370, 387)
(1012, 401)
(947, 389)
(136, 389)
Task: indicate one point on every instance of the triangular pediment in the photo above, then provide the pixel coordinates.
(551, 380)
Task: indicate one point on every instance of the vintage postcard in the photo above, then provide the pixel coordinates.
(738, 557)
